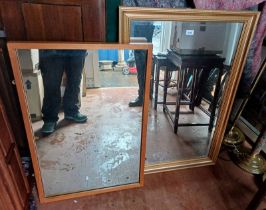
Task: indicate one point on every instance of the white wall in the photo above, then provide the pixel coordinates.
(221, 37)
(232, 34)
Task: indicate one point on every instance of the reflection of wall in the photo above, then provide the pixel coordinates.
(232, 34)
(199, 35)
(91, 67)
(165, 34)
(221, 37)
(28, 59)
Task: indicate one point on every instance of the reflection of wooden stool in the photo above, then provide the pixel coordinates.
(199, 66)
(160, 61)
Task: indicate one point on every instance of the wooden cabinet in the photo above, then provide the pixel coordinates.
(10, 99)
(49, 22)
(14, 188)
(54, 20)
(12, 20)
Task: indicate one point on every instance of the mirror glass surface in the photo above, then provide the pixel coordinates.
(101, 149)
(191, 64)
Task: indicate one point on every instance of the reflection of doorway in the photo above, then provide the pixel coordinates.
(113, 64)
(161, 36)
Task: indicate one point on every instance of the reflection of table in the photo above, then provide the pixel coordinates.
(197, 65)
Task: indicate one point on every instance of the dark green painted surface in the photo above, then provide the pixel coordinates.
(112, 20)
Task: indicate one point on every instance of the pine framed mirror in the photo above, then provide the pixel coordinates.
(75, 156)
(198, 58)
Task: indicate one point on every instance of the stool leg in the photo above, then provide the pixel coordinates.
(165, 86)
(193, 88)
(152, 79)
(180, 84)
(157, 77)
(215, 98)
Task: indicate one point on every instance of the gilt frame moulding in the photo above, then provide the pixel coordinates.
(13, 47)
(249, 20)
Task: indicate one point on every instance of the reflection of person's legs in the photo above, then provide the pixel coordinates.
(52, 69)
(140, 58)
(144, 30)
(74, 67)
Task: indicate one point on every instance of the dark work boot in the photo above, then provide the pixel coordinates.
(78, 117)
(48, 128)
(137, 102)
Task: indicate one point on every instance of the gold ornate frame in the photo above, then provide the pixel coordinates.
(249, 20)
(13, 47)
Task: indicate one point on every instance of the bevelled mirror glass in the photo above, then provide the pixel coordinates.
(198, 57)
(84, 136)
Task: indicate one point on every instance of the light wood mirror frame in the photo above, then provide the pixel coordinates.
(13, 47)
(249, 20)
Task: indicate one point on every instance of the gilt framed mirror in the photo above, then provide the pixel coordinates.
(84, 138)
(198, 58)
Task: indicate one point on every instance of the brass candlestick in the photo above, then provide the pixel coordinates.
(251, 161)
(235, 137)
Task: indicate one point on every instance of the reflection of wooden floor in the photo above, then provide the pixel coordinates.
(105, 151)
(163, 145)
(110, 78)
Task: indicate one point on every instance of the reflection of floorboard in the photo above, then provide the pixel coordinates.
(100, 153)
(111, 78)
(105, 150)
(163, 145)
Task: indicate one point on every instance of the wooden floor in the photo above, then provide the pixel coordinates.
(223, 186)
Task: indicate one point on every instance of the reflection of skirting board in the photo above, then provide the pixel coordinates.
(33, 85)
(251, 132)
